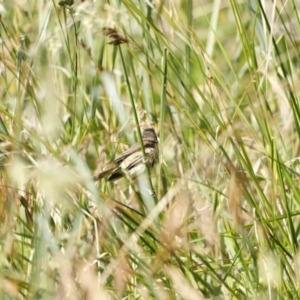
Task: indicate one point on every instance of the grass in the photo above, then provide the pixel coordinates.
(220, 82)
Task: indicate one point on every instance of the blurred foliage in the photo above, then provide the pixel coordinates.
(220, 81)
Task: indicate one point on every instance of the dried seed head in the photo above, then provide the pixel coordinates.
(116, 38)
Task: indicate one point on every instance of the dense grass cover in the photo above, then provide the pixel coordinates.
(220, 81)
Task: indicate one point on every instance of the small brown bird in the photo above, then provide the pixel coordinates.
(131, 163)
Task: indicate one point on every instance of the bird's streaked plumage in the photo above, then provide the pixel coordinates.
(130, 163)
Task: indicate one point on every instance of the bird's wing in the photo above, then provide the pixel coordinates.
(134, 148)
(109, 169)
(132, 160)
(115, 176)
(113, 167)
(136, 158)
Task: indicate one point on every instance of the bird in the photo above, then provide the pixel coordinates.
(131, 162)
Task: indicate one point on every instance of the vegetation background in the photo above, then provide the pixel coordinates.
(220, 81)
